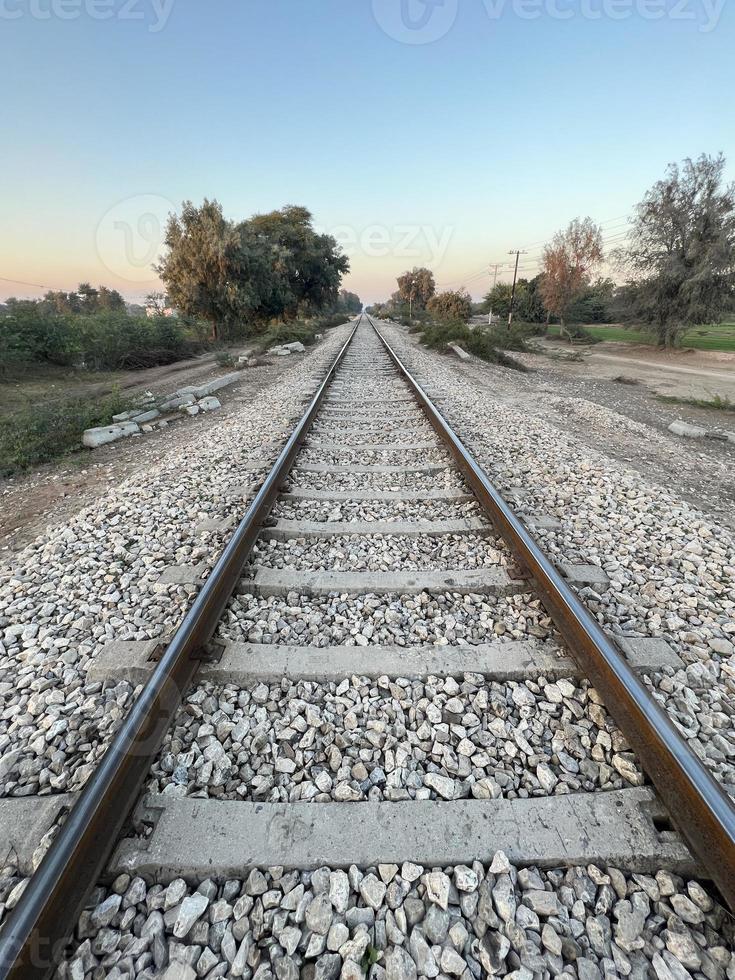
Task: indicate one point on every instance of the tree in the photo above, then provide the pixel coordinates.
(348, 302)
(450, 306)
(416, 288)
(307, 268)
(594, 303)
(682, 250)
(208, 269)
(568, 263)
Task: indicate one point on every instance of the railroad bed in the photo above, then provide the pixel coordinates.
(388, 762)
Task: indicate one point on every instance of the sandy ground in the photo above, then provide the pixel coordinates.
(683, 373)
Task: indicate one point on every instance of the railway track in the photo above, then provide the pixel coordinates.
(417, 734)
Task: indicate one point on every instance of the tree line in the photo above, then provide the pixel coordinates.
(225, 280)
(677, 269)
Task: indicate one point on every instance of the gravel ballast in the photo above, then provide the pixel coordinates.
(394, 922)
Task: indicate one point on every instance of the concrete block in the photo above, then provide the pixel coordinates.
(108, 433)
(200, 838)
(372, 447)
(123, 660)
(680, 428)
(209, 404)
(177, 401)
(244, 664)
(337, 468)
(123, 416)
(584, 575)
(542, 523)
(24, 821)
(299, 493)
(209, 387)
(278, 581)
(148, 416)
(460, 352)
(648, 653)
(182, 574)
(296, 347)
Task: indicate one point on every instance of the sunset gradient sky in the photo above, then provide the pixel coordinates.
(413, 149)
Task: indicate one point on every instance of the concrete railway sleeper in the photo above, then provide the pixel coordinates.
(366, 680)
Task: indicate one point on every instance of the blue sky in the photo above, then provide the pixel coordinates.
(446, 150)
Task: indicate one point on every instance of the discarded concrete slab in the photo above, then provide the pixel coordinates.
(278, 581)
(680, 428)
(177, 401)
(286, 530)
(202, 838)
(24, 821)
(245, 664)
(209, 404)
(460, 352)
(209, 387)
(103, 434)
(148, 416)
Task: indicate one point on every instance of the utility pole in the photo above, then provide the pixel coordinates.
(517, 252)
(495, 267)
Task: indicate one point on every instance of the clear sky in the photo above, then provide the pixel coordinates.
(442, 133)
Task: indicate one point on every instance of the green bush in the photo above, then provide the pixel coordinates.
(488, 344)
(108, 340)
(288, 333)
(41, 433)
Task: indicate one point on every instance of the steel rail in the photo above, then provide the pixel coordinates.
(34, 936)
(700, 809)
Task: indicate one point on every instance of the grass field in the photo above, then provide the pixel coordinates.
(719, 336)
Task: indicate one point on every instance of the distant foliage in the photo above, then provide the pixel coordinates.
(450, 306)
(681, 258)
(104, 340)
(416, 288)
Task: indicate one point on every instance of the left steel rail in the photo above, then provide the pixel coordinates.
(34, 937)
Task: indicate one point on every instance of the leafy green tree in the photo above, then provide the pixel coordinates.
(208, 268)
(594, 303)
(681, 256)
(307, 268)
(415, 288)
(450, 306)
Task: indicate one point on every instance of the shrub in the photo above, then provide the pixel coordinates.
(288, 333)
(483, 343)
(41, 433)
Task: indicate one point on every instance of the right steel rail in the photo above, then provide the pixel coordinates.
(697, 804)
